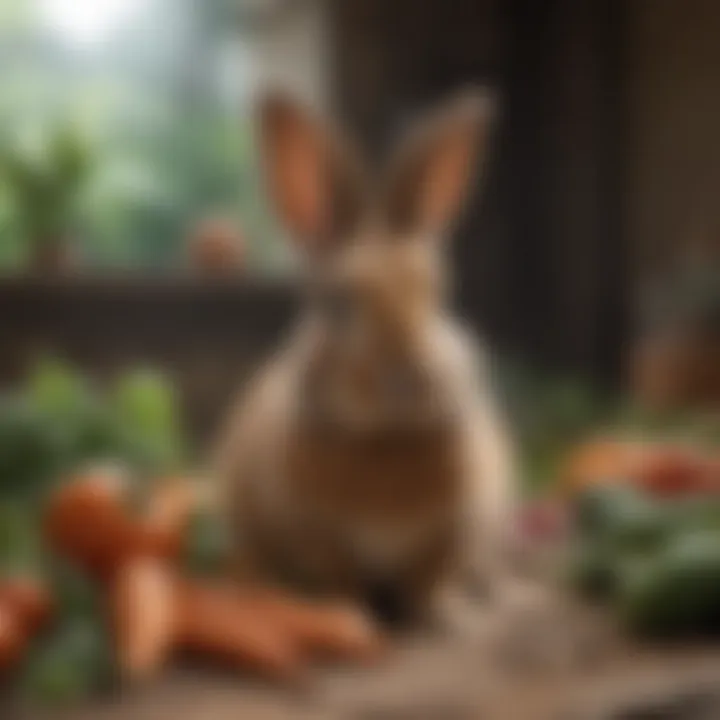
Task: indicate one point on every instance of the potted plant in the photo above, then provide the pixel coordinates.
(44, 185)
(675, 359)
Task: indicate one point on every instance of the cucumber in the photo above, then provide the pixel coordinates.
(623, 518)
(677, 592)
(696, 512)
(597, 507)
(69, 666)
(618, 525)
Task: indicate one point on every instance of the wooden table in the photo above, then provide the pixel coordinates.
(454, 678)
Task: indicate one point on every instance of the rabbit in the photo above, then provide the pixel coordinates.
(368, 459)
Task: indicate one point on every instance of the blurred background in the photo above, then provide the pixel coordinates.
(123, 123)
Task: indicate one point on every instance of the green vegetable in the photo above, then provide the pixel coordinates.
(677, 593)
(75, 660)
(32, 449)
(55, 389)
(619, 526)
(592, 571)
(74, 592)
(69, 666)
(623, 518)
(57, 422)
(147, 411)
(695, 513)
(20, 542)
(597, 507)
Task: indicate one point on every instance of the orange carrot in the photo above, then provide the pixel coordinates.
(28, 599)
(144, 611)
(336, 631)
(214, 622)
(163, 526)
(13, 638)
(86, 520)
(154, 611)
(601, 461)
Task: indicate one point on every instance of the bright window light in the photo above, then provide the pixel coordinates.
(86, 22)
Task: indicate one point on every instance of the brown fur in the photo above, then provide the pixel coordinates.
(369, 451)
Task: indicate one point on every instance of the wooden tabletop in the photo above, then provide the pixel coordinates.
(455, 677)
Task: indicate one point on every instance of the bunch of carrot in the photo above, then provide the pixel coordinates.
(154, 610)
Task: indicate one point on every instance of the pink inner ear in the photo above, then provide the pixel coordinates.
(306, 196)
(446, 176)
(301, 183)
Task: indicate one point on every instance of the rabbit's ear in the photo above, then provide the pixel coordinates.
(314, 178)
(430, 174)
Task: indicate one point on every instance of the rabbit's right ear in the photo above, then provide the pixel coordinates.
(314, 178)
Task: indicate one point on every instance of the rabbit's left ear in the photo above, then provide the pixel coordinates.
(429, 176)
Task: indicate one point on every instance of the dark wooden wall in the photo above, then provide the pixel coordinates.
(541, 254)
(673, 148)
(209, 336)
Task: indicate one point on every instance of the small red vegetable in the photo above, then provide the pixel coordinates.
(86, 520)
(28, 599)
(672, 471)
(13, 638)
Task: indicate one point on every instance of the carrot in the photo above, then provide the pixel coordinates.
(144, 612)
(86, 520)
(601, 461)
(162, 528)
(341, 632)
(13, 638)
(215, 622)
(334, 631)
(154, 611)
(28, 599)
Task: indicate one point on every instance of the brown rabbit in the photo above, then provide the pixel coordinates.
(367, 457)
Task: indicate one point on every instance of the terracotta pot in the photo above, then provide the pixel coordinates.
(216, 247)
(676, 370)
